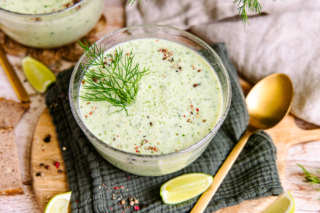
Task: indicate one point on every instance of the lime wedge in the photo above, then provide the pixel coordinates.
(59, 203)
(284, 204)
(185, 187)
(39, 76)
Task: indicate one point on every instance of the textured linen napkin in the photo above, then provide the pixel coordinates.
(285, 41)
(97, 186)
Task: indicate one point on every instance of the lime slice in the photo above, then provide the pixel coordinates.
(59, 203)
(185, 187)
(284, 204)
(39, 76)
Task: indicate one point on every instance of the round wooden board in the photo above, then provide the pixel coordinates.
(50, 182)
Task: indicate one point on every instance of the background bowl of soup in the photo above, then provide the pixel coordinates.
(46, 24)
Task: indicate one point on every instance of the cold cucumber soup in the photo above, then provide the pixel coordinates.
(178, 102)
(49, 23)
(36, 6)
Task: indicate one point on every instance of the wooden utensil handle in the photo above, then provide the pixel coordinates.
(14, 80)
(221, 174)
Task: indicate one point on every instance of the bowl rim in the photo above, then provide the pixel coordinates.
(8, 12)
(151, 157)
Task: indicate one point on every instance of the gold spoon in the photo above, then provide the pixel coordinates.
(16, 83)
(268, 102)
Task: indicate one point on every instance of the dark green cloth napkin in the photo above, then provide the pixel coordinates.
(95, 183)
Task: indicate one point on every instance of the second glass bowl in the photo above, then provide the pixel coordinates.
(55, 29)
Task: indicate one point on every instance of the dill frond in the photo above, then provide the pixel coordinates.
(116, 82)
(310, 177)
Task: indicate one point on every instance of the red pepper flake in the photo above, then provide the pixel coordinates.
(157, 40)
(82, 82)
(95, 80)
(195, 85)
(76, 201)
(128, 177)
(117, 135)
(110, 59)
(136, 208)
(115, 188)
(111, 208)
(184, 116)
(56, 164)
(197, 109)
(47, 167)
(137, 151)
(86, 116)
(127, 53)
(191, 105)
(90, 113)
(88, 103)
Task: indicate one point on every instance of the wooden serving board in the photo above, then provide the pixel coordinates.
(50, 182)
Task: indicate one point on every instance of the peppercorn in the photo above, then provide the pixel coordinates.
(131, 203)
(136, 201)
(123, 202)
(38, 174)
(47, 139)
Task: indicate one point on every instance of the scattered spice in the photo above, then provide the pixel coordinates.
(136, 208)
(123, 202)
(47, 139)
(56, 164)
(41, 165)
(204, 120)
(136, 201)
(195, 85)
(131, 203)
(64, 148)
(151, 124)
(199, 70)
(60, 171)
(47, 167)
(38, 174)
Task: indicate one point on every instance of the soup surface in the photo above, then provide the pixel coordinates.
(177, 103)
(35, 6)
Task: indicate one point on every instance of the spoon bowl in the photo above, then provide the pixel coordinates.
(268, 102)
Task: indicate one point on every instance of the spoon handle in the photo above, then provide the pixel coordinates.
(15, 81)
(221, 174)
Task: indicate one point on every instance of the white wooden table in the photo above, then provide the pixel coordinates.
(307, 154)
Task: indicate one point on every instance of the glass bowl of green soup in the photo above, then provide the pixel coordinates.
(150, 98)
(49, 24)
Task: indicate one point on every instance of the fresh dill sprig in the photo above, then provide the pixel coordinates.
(310, 177)
(247, 5)
(244, 6)
(115, 81)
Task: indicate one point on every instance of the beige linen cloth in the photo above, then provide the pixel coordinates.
(287, 40)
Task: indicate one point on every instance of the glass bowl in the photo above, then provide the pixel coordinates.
(55, 29)
(152, 165)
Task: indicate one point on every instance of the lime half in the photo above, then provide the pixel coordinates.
(59, 203)
(284, 204)
(39, 76)
(185, 187)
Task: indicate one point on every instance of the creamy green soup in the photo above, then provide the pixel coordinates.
(178, 103)
(35, 6)
(39, 24)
